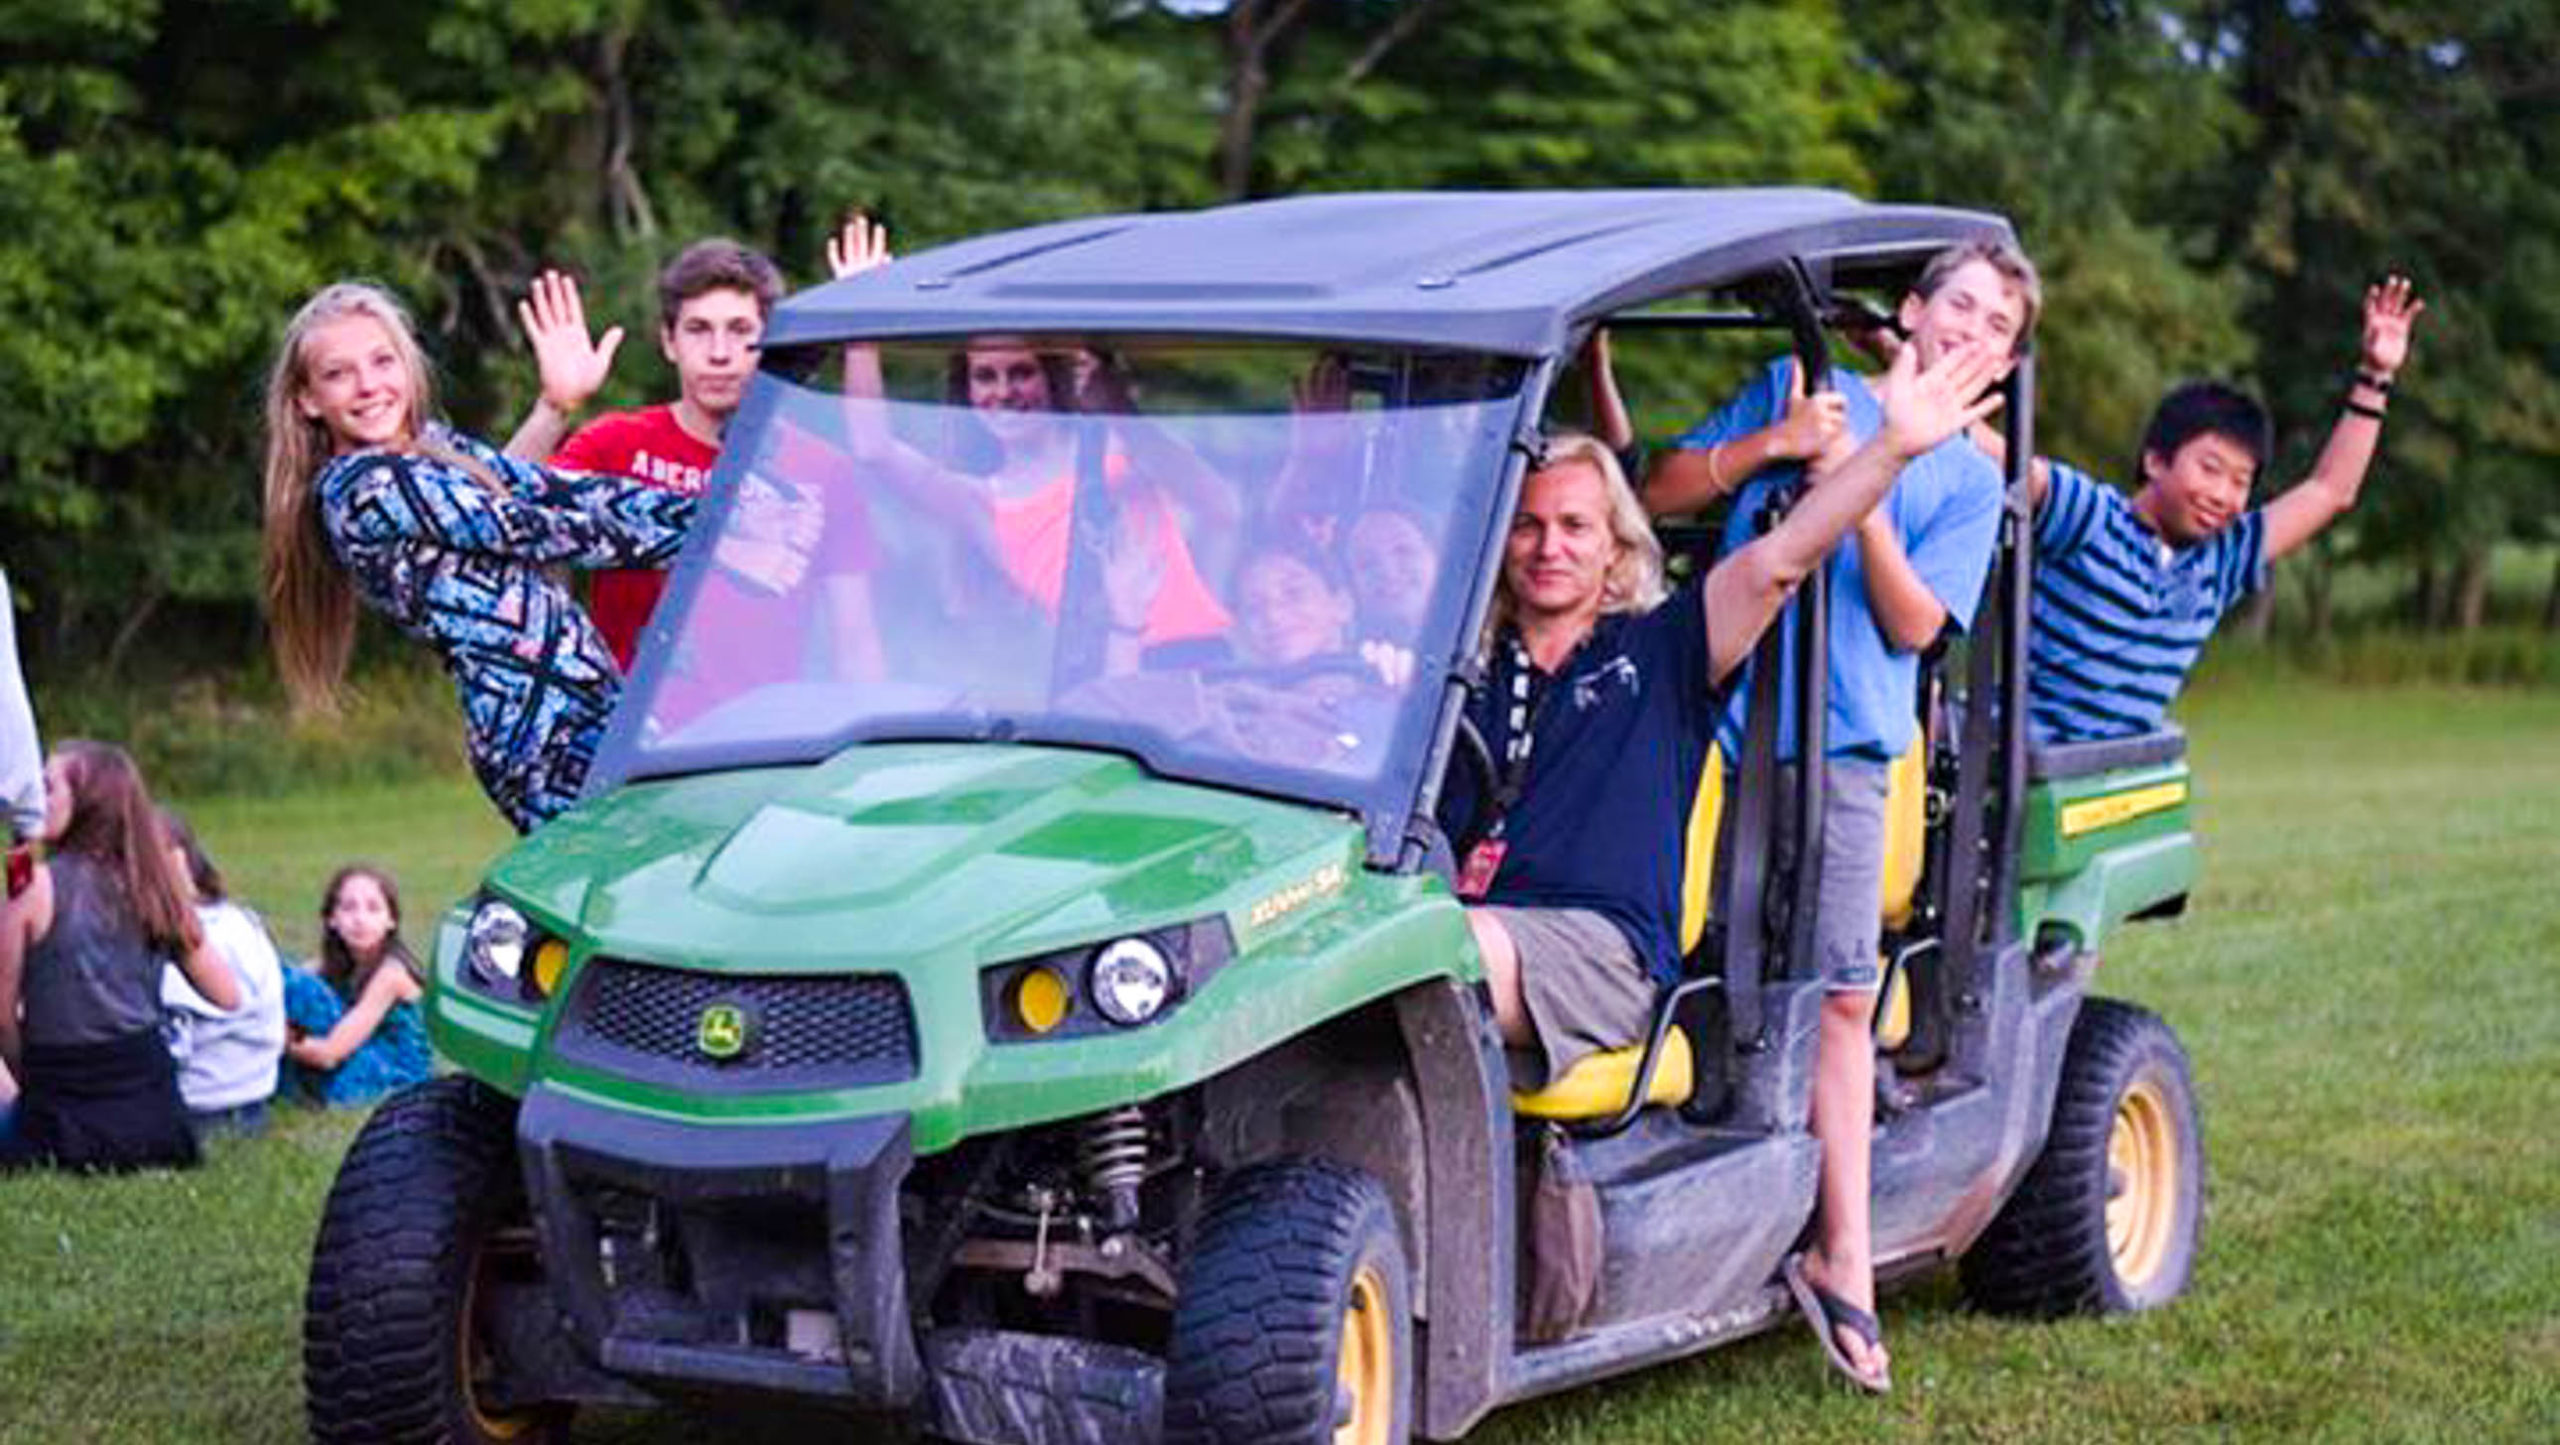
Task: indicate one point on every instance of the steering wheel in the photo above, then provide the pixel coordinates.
(1306, 669)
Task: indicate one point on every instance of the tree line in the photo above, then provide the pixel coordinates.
(2207, 184)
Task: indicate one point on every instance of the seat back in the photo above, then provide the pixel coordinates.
(1906, 821)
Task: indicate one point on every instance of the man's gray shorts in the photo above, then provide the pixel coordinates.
(1849, 931)
(1585, 987)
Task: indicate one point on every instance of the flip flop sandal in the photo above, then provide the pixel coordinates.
(1829, 1314)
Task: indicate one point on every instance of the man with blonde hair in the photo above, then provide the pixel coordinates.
(1602, 698)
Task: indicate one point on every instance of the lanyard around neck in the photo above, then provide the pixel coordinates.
(1525, 700)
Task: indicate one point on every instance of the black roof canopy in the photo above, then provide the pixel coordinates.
(1509, 272)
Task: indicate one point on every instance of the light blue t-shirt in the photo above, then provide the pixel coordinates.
(1946, 509)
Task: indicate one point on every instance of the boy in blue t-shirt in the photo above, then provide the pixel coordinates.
(1912, 569)
(2127, 589)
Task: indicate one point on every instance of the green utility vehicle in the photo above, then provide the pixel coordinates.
(1005, 983)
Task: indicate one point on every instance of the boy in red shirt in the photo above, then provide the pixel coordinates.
(712, 303)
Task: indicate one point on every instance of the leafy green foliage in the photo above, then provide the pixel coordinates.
(2207, 187)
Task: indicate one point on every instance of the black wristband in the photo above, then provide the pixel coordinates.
(2378, 383)
(2364, 409)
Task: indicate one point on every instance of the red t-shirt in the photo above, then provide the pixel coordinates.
(651, 447)
(738, 637)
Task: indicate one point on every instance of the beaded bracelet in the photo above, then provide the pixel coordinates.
(2364, 409)
(2378, 383)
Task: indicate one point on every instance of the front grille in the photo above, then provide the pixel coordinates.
(803, 1032)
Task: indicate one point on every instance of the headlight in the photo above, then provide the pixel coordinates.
(494, 943)
(1090, 990)
(1130, 981)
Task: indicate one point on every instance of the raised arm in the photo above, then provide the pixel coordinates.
(1685, 480)
(1610, 420)
(2330, 491)
(1162, 458)
(529, 514)
(573, 364)
(959, 501)
(1745, 590)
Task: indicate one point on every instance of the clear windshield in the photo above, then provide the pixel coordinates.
(1232, 561)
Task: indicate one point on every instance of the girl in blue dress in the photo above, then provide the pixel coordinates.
(354, 1033)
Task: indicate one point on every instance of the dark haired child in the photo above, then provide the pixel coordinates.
(2127, 589)
(354, 1025)
(227, 1057)
(81, 951)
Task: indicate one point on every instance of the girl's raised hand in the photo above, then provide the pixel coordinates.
(862, 245)
(573, 363)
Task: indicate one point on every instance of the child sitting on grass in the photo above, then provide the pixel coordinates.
(355, 1033)
(81, 950)
(227, 1058)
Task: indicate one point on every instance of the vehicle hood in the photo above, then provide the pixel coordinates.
(891, 854)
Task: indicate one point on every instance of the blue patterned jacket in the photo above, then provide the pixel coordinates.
(468, 569)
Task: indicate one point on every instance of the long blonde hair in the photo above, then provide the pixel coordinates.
(1635, 580)
(311, 606)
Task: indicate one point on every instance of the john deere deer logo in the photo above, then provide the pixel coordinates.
(724, 1030)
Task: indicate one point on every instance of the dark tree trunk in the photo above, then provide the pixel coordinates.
(2551, 602)
(2471, 590)
(1253, 29)
(2319, 595)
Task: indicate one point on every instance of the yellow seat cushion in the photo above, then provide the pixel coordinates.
(1906, 826)
(1698, 861)
(1905, 837)
(1598, 1086)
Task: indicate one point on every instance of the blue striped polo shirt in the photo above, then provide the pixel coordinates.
(2119, 614)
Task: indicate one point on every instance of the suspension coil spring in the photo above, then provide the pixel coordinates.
(1113, 1155)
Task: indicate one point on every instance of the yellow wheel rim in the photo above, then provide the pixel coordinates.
(1365, 1376)
(472, 1357)
(2142, 1184)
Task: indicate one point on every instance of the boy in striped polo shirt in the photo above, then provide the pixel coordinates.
(2127, 589)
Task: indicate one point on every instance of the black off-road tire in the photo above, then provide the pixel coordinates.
(386, 1355)
(1296, 1279)
(2108, 1218)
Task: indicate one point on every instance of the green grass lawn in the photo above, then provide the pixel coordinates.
(2366, 983)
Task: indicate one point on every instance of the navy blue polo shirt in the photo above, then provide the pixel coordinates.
(1621, 733)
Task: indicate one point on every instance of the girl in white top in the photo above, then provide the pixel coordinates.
(226, 1057)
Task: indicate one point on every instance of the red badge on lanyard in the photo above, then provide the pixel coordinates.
(1483, 861)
